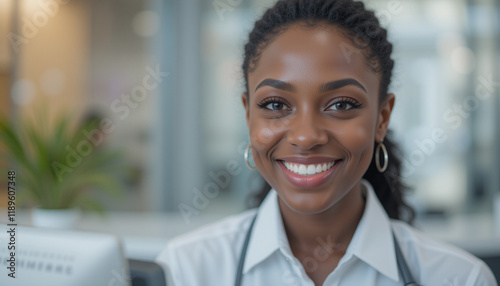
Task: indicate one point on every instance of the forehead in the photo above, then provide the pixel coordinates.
(313, 55)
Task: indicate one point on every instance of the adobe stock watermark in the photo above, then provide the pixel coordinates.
(321, 253)
(393, 8)
(223, 6)
(324, 250)
(267, 134)
(210, 190)
(30, 26)
(139, 93)
(454, 116)
(220, 180)
(362, 39)
(122, 107)
(120, 278)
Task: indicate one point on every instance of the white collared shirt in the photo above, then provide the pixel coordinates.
(209, 256)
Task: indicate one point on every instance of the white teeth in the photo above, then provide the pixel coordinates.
(311, 170)
(319, 169)
(302, 170)
(305, 170)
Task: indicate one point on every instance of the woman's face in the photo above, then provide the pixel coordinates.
(313, 114)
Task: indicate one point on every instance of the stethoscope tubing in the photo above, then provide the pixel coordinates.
(241, 262)
(402, 265)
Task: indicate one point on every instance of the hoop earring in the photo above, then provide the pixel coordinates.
(245, 155)
(377, 157)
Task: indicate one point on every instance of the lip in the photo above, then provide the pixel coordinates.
(311, 181)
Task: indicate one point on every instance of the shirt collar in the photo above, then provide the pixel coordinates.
(372, 241)
(268, 232)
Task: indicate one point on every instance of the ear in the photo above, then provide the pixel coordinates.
(384, 116)
(246, 104)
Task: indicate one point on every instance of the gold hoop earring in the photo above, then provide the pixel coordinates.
(245, 155)
(377, 157)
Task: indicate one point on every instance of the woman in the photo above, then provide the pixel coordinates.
(317, 108)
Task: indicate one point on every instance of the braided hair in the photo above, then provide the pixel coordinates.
(363, 29)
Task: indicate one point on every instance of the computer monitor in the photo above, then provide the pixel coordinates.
(63, 258)
(146, 273)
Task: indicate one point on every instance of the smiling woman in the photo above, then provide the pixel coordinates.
(324, 121)
(317, 109)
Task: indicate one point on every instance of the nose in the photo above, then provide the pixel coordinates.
(306, 131)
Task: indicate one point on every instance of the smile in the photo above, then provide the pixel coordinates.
(308, 170)
(308, 175)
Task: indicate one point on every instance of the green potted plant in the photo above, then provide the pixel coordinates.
(60, 170)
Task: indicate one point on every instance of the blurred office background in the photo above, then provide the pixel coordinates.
(187, 133)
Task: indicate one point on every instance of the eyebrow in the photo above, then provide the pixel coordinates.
(331, 85)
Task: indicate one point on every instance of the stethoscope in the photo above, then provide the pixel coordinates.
(402, 266)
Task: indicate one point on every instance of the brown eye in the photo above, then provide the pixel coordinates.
(344, 104)
(275, 106)
(341, 106)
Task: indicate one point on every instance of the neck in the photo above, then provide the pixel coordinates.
(334, 226)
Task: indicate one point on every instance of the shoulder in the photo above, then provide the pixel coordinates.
(224, 230)
(201, 254)
(440, 263)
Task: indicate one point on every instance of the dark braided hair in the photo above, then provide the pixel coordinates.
(363, 29)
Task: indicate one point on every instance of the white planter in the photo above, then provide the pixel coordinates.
(56, 218)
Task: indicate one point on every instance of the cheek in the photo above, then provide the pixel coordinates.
(265, 133)
(264, 136)
(357, 137)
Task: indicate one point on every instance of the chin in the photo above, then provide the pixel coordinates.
(310, 202)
